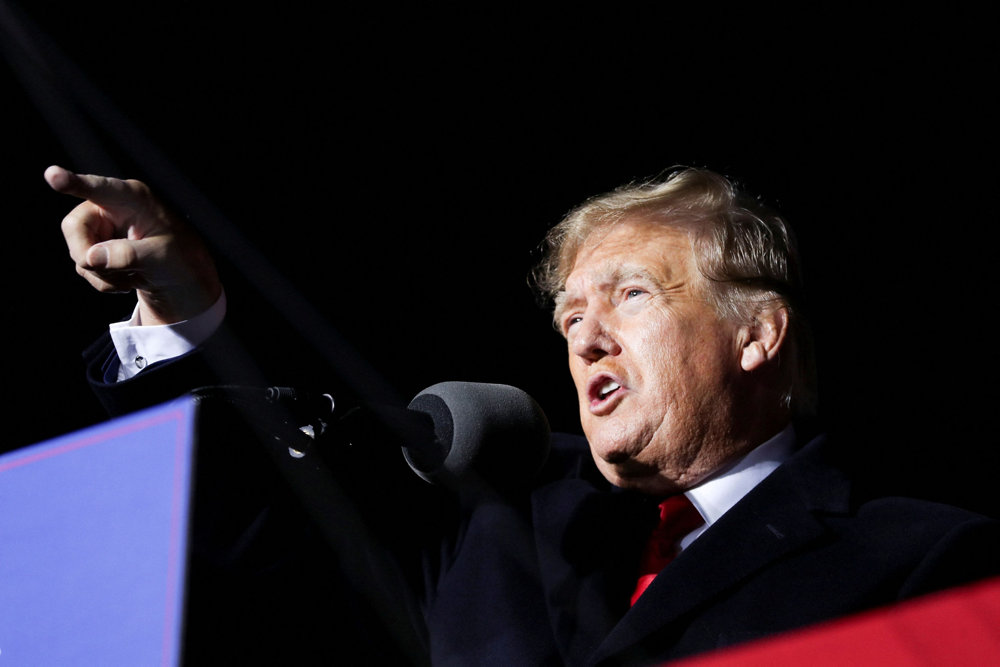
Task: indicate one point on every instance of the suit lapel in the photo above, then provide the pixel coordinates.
(584, 536)
(778, 516)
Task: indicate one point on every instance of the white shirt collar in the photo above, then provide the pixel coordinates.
(713, 497)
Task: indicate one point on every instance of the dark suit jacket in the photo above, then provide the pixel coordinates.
(544, 576)
(552, 587)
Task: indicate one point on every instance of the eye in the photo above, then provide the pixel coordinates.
(570, 321)
(633, 292)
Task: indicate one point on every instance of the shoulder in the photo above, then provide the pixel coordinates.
(928, 545)
(947, 545)
(825, 479)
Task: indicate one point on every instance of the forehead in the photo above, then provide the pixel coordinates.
(635, 246)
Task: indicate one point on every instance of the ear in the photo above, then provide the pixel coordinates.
(764, 338)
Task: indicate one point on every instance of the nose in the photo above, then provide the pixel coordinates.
(592, 339)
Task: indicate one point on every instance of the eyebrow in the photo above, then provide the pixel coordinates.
(617, 276)
(562, 302)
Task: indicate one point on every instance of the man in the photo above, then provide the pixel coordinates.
(681, 306)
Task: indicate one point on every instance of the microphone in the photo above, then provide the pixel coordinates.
(495, 431)
(456, 431)
(450, 432)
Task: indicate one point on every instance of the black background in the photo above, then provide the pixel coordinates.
(399, 169)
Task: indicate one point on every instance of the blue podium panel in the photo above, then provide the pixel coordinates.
(93, 541)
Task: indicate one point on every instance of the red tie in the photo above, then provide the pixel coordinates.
(678, 517)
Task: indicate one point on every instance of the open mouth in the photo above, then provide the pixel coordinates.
(607, 389)
(602, 390)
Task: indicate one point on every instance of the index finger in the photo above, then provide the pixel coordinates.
(101, 190)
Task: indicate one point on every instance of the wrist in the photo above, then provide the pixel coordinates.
(177, 304)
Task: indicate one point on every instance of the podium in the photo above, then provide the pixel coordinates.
(93, 543)
(193, 533)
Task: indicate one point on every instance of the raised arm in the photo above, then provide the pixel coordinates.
(122, 238)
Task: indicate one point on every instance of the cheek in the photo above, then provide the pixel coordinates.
(655, 353)
(577, 373)
(678, 368)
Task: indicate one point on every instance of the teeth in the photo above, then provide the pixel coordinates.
(607, 388)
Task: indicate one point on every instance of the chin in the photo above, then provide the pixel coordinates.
(636, 477)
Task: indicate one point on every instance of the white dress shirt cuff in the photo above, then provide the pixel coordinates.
(140, 346)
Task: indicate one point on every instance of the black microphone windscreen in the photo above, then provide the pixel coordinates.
(494, 431)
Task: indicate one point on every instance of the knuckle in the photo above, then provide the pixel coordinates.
(138, 187)
(69, 225)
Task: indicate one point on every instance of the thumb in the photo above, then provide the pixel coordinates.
(114, 255)
(97, 257)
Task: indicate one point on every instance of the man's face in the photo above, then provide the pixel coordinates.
(656, 368)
